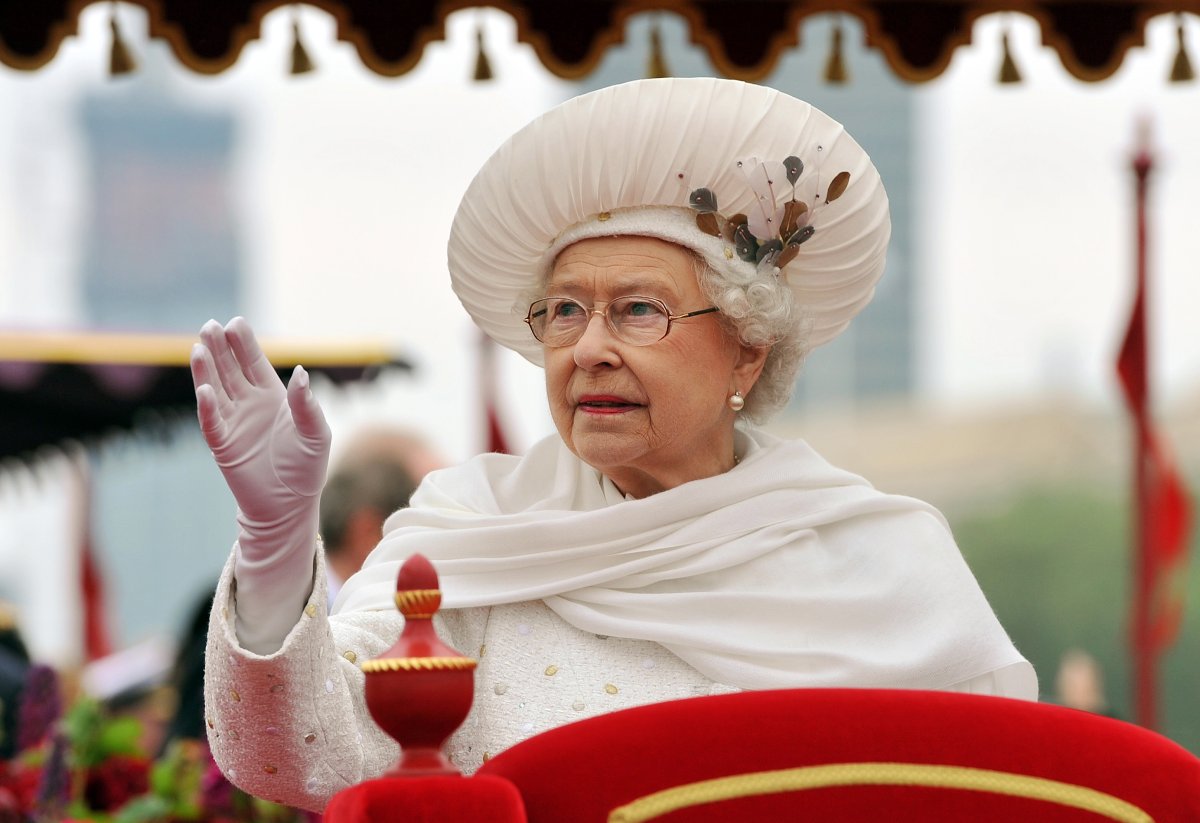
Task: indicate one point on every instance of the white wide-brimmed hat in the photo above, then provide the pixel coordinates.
(745, 175)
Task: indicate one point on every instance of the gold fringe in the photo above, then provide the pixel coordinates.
(301, 62)
(120, 58)
(835, 64)
(483, 66)
(1181, 69)
(656, 65)
(1009, 73)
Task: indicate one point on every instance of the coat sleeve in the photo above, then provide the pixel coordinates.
(293, 726)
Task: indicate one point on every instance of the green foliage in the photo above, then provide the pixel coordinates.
(175, 779)
(149, 808)
(1056, 565)
(95, 736)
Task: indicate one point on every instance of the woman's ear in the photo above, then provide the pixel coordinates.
(749, 366)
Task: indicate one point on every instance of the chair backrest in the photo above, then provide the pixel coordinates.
(852, 755)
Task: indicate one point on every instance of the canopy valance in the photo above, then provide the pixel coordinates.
(83, 386)
(744, 39)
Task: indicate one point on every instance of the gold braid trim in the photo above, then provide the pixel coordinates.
(417, 664)
(879, 774)
(418, 602)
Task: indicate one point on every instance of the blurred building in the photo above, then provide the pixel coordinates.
(161, 241)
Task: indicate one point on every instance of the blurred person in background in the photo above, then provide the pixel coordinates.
(668, 250)
(1079, 683)
(376, 474)
(14, 666)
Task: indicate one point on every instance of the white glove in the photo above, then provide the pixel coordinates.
(272, 446)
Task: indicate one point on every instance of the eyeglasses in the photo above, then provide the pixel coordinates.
(638, 321)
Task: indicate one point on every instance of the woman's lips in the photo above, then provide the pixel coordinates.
(605, 404)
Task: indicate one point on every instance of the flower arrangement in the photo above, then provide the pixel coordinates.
(86, 764)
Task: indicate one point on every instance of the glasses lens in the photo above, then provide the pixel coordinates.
(557, 321)
(638, 320)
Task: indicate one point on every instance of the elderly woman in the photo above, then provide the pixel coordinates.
(668, 250)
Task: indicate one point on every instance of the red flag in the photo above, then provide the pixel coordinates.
(1168, 510)
(1162, 508)
(96, 642)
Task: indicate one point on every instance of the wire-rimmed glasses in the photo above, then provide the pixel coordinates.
(633, 319)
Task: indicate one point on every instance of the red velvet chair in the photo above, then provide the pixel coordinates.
(851, 755)
(813, 754)
(431, 799)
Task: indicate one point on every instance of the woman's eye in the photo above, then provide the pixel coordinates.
(568, 310)
(642, 308)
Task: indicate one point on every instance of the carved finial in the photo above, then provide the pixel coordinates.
(420, 690)
(417, 594)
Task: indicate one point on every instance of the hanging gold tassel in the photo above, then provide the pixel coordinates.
(1008, 67)
(120, 58)
(1181, 69)
(301, 62)
(835, 64)
(483, 66)
(656, 65)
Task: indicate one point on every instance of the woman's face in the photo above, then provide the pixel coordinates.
(648, 417)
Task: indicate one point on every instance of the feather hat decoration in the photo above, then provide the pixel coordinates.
(744, 175)
(771, 235)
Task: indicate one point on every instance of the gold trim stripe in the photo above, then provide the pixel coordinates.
(417, 664)
(878, 774)
(176, 349)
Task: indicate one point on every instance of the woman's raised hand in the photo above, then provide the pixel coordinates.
(270, 442)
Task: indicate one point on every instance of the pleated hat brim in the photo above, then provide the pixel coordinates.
(649, 143)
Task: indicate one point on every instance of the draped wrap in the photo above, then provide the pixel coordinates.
(784, 571)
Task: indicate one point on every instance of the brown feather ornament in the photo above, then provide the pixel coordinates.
(707, 222)
(793, 217)
(838, 187)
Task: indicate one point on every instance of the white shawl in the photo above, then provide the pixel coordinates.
(783, 572)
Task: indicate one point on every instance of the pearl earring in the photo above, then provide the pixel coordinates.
(736, 401)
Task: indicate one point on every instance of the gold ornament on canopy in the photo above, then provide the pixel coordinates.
(120, 58)
(483, 66)
(1009, 73)
(1181, 68)
(835, 64)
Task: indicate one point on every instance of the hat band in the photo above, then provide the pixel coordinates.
(674, 224)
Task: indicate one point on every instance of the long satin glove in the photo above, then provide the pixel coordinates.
(272, 445)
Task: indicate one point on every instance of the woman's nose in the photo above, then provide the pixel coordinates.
(598, 345)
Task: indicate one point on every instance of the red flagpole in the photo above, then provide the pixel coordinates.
(1162, 507)
(1144, 652)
